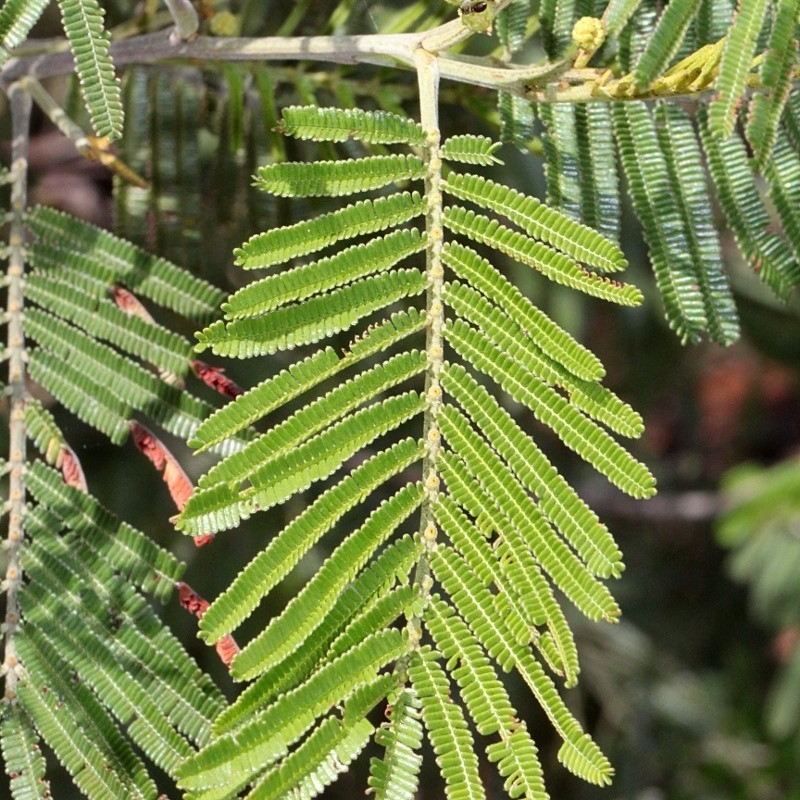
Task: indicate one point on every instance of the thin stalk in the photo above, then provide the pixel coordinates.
(428, 78)
(20, 110)
(186, 20)
(379, 49)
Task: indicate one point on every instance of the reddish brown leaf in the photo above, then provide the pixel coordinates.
(192, 601)
(215, 378)
(226, 647)
(178, 483)
(130, 304)
(72, 470)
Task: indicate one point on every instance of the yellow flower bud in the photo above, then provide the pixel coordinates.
(224, 23)
(589, 33)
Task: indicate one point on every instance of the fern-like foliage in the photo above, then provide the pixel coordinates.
(420, 371)
(99, 677)
(670, 155)
(453, 576)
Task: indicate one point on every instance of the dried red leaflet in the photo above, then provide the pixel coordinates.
(192, 601)
(130, 304)
(71, 469)
(195, 604)
(178, 483)
(215, 378)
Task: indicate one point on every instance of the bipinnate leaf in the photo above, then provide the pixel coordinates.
(502, 537)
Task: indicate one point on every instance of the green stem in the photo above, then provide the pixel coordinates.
(20, 110)
(428, 79)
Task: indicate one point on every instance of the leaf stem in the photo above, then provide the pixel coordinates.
(379, 49)
(185, 17)
(21, 109)
(428, 79)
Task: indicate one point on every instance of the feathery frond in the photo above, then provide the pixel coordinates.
(89, 42)
(542, 536)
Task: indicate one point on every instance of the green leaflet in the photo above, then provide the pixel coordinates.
(551, 263)
(93, 527)
(446, 726)
(292, 241)
(370, 603)
(557, 499)
(74, 367)
(86, 743)
(299, 377)
(508, 335)
(488, 702)
(617, 14)
(274, 479)
(337, 178)
(783, 173)
(679, 143)
(557, 18)
(516, 119)
(287, 548)
(665, 40)
(110, 677)
(776, 70)
(17, 17)
(511, 25)
(735, 66)
(43, 431)
(597, 447)
(316, 416)
(714, 19)
(89, 42)
(78, 301)
(264, 740)
(523, 518)
(22, 755)
(539, 221)
(746, 213)
(64, 241)
(395, 776)
(469, 149)
(562, 160)
(320, 276)
(668, 196)
(317, 762)
(597, 167)
(339, 124)
(554, 341)
(311, 321)
(285, 633)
